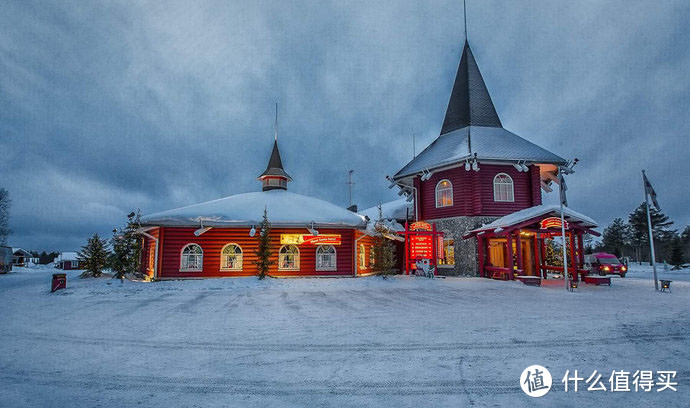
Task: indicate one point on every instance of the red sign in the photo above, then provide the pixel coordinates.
(552, 222)
(420, 226)
(421, 246)
(440, 253)
(304, 239)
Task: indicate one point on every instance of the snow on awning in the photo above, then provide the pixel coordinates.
(535, 212)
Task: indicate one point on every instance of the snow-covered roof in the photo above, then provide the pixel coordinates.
(15, 250)
(67, 256)
(392, 210)
(284, 209)
(534, 212)
(489, 143)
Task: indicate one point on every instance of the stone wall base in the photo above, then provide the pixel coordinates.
(466, 263)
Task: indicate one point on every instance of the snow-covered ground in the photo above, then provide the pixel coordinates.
(401, 342)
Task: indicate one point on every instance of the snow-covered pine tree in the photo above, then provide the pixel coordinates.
(614, 237)
(384, 250)
(639, 230)
(126, 243)
(94, 255)
(263, 253)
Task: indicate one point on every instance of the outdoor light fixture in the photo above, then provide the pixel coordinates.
(409, 198)
(252, 231)
(517, 166)
(313, 231)
(524, 167)
(393, 183)
(467, 165)
(426, 175)
(202, 229)
(131, 215)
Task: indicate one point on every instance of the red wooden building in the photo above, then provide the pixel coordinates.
(309, 237)
(475, 172)
(514, 246)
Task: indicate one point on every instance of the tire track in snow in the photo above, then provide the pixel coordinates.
(350, 347)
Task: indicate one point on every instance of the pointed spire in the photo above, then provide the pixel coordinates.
(275, 177)
(470, 102)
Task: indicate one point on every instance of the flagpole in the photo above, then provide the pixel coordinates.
(651, 236)
(566, 278)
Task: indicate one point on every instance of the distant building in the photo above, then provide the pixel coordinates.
(68, 261)
(21, 257)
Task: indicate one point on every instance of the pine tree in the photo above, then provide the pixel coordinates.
(614, 237)
(677, 259)
(263, 253)
(126, 243)
(94, 255)
(5, 204)
(384, 250)
(638, 232)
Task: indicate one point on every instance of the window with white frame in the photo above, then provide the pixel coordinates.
(325, 258)
(444, 194)
(231, 258)
(361, 259)
(192, 258)
(503, 188)
(288, 258)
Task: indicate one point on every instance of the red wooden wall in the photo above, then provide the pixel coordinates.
(173, 239)
(473, 192)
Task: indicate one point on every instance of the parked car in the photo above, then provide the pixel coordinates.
(601, 263)
(5, 259)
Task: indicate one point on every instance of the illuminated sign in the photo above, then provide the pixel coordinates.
(307, 239)
(421, 246)
(552, 222)
(439, 248)
(420, 226)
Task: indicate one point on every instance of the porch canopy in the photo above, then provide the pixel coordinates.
(513, 246)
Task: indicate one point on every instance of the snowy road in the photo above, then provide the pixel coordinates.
(332, 342)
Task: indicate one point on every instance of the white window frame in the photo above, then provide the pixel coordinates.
(506, 188)
(320, 256)
(362, 260)
(182, 254)
(281, 258)
(448, 189)
(238, 255)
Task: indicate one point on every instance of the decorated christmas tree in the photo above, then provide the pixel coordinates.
(94, 256)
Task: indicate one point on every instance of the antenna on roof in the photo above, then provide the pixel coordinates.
(350, 183)
(275, 125)
(464, 15)
(414, 149)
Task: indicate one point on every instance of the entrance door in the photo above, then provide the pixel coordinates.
(528, 261)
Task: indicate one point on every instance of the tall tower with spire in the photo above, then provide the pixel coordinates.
(275, 177)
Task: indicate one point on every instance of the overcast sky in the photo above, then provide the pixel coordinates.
(106, 108)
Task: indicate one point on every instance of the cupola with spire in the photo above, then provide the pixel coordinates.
(275, 177)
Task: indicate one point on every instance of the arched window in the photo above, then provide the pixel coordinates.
(192, 258)
(503, 188)
(361, 259)
(231, 258)
(444, 194)
(325, 258)
(288, 258)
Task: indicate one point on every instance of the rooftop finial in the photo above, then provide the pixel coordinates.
(464, 14)
(275, 125)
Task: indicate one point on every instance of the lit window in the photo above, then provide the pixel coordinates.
(152, 256)
(325, 258)
(444, 194)
(231, 258)
(361, 259)
(372, 256)
(192, 258)
(448, 252)
(288, 258)
(503, 188)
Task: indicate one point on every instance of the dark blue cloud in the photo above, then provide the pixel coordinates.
(114, 106)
